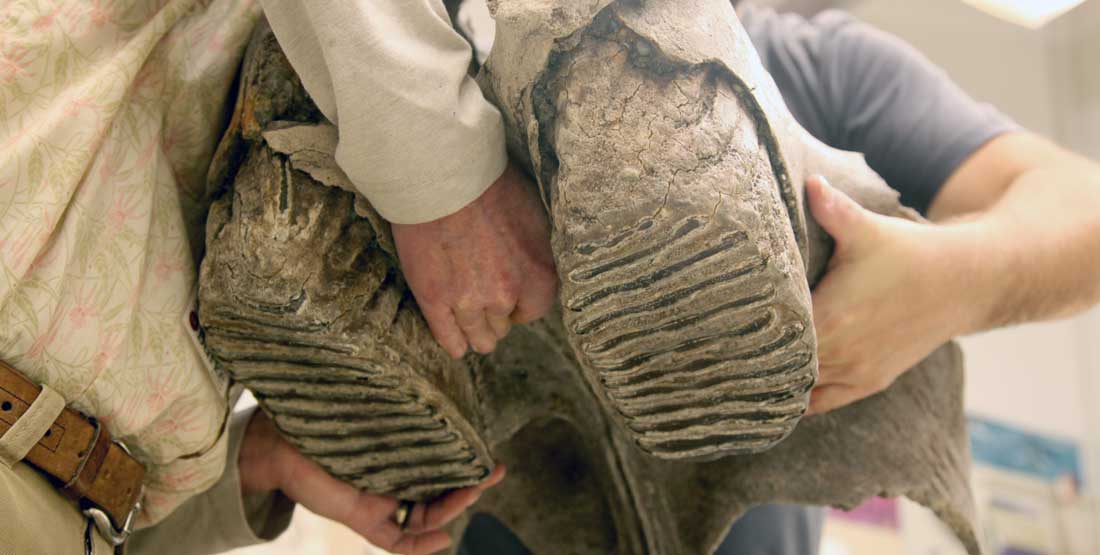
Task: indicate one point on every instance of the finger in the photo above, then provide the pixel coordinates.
(445, 329)
(326, 496)
(829, 348)
(534, 304)
(500, 324)
(393, 539)
(493, 479)
(829, 308)
(476, 327)
(430, 516)
(827, 398)
(833, 318)
(841, 217)
(421, 544)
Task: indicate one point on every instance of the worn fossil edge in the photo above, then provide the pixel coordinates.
(302, 301)
(681, 282)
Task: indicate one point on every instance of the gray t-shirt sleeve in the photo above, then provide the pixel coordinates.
(857, 88)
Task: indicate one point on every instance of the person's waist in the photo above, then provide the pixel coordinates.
(75, 451)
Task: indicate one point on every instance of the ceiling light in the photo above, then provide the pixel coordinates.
(1032, 14)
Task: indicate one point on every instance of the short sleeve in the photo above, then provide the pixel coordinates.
(858, 88)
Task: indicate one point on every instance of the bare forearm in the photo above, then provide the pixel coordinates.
(1035, 254)
(1017, 239)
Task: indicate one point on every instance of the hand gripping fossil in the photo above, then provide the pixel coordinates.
(666, 396)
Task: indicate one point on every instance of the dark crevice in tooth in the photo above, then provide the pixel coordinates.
(277, 377)
(757, 264)
(327, 374)
(680, 323)
(319, 409)
(728, 242)
(789, 335)
(379, 398)
(697, 399)
(387, 452)
(400, 463)
(260, 357)
(695, 379)
(754, 326)
(368, 426)
(798, 389)
(714, 441)
(327, 382)
(368, 393)
(584, 275)
(416, 488)
(368, 445)
(721, 420)
(438, 434)
(291, 306)
(593, 246)
(298, 337)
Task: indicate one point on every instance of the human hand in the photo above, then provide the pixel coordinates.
(268, 462)
(478, 271)
(894, 291)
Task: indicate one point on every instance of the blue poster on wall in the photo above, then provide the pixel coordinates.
(1010, 448)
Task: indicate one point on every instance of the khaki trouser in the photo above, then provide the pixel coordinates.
(42, 522)
(36, 519)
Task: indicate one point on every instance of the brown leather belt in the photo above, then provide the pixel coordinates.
(78, 455)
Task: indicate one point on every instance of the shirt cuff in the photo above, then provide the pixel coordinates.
(252, 519)
(452, 187)
(220, 519)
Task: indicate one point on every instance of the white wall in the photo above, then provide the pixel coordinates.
(993, 60)
(1074, 50)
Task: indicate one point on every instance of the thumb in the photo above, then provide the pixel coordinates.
(841, 217)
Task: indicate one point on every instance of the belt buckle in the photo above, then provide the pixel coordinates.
(113, 535)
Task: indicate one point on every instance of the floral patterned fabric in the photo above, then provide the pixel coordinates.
(109, 114)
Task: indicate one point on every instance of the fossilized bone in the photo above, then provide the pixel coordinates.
(303, 301)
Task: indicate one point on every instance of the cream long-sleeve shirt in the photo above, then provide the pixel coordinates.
(109, 115)
(417, 138)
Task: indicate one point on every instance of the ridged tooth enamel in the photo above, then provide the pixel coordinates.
(357, 385)
(682, 285)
